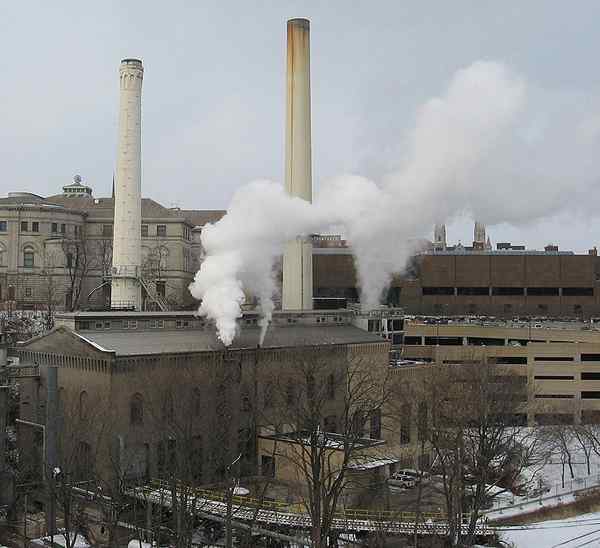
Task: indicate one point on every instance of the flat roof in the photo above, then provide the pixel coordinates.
(130, 343)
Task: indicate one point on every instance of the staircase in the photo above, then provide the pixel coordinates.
(159, 300)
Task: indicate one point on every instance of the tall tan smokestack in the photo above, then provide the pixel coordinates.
(127, 242)
(297, 292)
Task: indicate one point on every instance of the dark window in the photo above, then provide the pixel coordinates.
(405, 419)
(358, 424)
(438, 291)
(290, 393)
(161, 288)
(24, 226)
(553, 358)
(375, 425)
(590, 395)
(107, 230)
(83, 406)
(63, 228)
(161, 230)
(590, 357)
(331, 386)
(412, 340)
(69, 260)
(54, 228)
(510, 360)
(144, 231)
(136, 410)
(268, 395)
(35, 226)
(557, 396)
(28, 258)
(508, 291)
(578, 291)
(330, 424)
(374, 326)
(557, 377)
(422, 421)
(485, 341)
(443, 341)
(28, 292)
(480, 291)
(3, 226)
(542, 291)
(267, 466)
(590, 376)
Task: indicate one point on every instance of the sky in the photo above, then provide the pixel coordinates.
(213, 98)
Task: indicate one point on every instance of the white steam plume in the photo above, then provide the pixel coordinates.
(467, 153)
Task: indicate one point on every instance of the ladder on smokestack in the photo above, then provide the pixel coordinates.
(160, 301)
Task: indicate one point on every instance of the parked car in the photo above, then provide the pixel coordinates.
(398, 479)
(415, 474)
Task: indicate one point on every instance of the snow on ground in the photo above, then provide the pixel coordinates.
(573, 532)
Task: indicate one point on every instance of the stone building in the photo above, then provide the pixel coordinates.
(138, 390)
(57, 250)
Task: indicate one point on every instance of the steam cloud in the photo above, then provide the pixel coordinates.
(476, 149)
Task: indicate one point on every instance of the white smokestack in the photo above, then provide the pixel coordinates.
(127, 245)
(297, 291)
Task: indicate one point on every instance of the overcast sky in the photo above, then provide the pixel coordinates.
(213, 98)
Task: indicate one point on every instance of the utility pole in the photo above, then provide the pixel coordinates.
(51, 448)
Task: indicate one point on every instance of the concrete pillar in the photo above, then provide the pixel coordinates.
(127, 243)
(297, 291)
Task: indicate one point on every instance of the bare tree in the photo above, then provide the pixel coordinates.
(476, 436)
(50, 286)
(79, 260)
(316, 411)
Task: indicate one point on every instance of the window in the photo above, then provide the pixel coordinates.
(331, 386)
(267, 466)
(375, 425)
(542, 291)
(28, 292)
(557, 396)
(28, 257)
(35, 226)
(330, 424)
(63, 228)
(24, 226)
(374, 326)
(481, 291)
(554, 358)
(290, 393)
(590, 376)
(107, 230)
(405, 424)
(136, 410)
(161, 288)
(83, 406)
(76, 230)
(438, 291)
(508, 291)
(54, 228)
(422, 421)
(590, 395)
(161, 230)
(268, 395)
(3, 226)
(69, 259)
(556, 377)
(590, 357)
(578, 291)
(144, 231)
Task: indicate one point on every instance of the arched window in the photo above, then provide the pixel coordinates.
(28, 257)
(197, 402)
(83, 406)
(167, 411)
(136, 409)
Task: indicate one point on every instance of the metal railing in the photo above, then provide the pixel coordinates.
(541, 494)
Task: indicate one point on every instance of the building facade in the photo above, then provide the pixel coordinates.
(57, 251)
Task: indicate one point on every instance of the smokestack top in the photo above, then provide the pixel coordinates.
(132, 63)
(299, 22)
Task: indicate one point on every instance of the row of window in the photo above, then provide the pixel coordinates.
(34, 226)
(131, 324)
(484, 291)
(585, 395)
